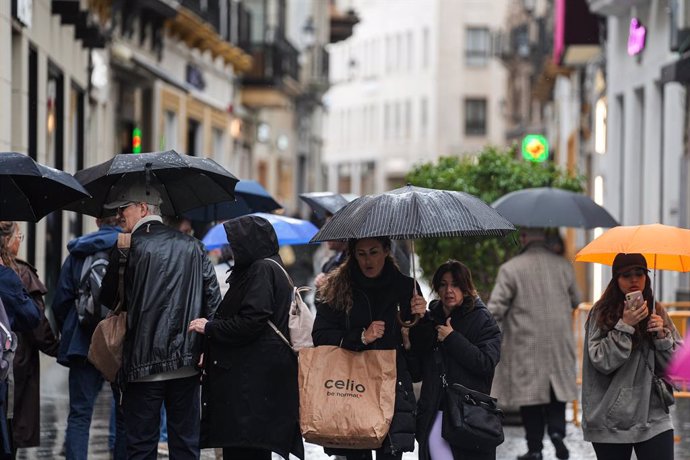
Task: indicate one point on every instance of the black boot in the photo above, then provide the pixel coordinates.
(561, 450)
(530, 456)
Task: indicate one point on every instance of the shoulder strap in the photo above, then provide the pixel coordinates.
(284, 271)
(124, 241)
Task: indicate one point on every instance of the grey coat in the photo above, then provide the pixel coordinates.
(532, 301)
(618, 403)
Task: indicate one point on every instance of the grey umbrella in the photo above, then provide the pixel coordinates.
(30, 190)
(552, 207)
(415, 212)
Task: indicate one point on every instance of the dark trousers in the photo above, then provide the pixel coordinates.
(366, 455)
(660, 447)
(534, 418)
(243, 453)
(141, 404)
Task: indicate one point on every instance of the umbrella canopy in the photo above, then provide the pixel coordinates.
(187, 182)
(288, 229)
(665, 247)
(250, 197)
(552, 207)
(30, 190)
(324, 203)
(679, 367)
(415, 212)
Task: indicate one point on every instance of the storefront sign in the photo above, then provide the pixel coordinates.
(195, 78)
(636, 37)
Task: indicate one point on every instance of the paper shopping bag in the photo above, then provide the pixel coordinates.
(346, 397)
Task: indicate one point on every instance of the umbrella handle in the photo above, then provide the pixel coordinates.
(407, 324)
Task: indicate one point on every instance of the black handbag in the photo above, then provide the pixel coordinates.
(471, 419)
(662, 387)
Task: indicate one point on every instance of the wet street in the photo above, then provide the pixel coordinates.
(54, 410)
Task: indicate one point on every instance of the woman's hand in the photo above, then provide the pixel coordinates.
(632, 317)
(374, 331)
(444, 330)
(198, 325)
(656, 325)
(418, 305)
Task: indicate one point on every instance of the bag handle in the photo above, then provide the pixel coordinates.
(271, 323)
(124, 241)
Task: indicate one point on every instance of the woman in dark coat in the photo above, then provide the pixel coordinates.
(250, 401)
(26, 422)
(356, 310)
(458, 335)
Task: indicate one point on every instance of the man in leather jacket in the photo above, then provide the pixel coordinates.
(168, 281)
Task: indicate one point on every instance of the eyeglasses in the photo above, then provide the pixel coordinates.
(121, 209)
(637, 272)
(19, 236)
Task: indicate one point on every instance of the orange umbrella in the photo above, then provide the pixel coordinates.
(665, 247)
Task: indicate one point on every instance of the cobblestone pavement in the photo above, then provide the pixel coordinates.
(54, 409)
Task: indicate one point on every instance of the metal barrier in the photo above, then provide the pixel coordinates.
(679, 312)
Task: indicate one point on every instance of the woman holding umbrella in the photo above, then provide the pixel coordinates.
(356, 310)
(628, 346)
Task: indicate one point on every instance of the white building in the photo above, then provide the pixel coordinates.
(639, 132)
(416, 81)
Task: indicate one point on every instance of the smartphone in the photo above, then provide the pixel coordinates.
(633, 300)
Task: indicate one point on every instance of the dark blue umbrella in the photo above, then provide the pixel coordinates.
(250, 197)
(288, 229)
(30, 190)
(324, 203)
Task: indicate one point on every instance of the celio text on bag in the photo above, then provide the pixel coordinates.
(349, 385)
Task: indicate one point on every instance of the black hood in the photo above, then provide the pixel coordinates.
(251, 238)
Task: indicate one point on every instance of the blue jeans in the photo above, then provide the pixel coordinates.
(142, 408)
(85, 383)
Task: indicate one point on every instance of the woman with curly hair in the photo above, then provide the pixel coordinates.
(26, 422)
(627, 347)
(357, 309)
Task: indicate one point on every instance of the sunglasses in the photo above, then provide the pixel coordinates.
(121, 209)
(637, 272)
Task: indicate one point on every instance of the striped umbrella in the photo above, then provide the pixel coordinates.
(413, 212)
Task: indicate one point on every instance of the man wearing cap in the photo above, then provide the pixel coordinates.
(532, 301)
(168, 281)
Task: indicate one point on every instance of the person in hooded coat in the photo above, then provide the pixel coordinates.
(250, 400)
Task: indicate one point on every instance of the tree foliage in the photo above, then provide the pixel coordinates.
(491, 174)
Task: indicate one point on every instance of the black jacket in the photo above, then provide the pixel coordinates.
(169, 281)
(376, 299)
(470, 354)
(249, 395)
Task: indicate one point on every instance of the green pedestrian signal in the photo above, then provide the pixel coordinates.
(535, 148)
(136, 140)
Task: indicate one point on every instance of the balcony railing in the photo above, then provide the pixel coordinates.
(272, 62)
(231, 22)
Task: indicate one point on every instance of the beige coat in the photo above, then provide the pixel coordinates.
(532, 301)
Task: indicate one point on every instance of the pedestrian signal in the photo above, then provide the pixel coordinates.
(535, 148)
(136, 140)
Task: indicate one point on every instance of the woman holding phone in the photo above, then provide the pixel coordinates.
(627, 344)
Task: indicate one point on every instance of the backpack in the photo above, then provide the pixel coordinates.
(8, 344)
(89, 309)
(300, 318)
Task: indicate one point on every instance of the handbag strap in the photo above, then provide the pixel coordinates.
(124, 241)
(440, 363)
(271, 323)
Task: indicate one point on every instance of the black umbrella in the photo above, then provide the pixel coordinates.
(552, 207)
(30, 190)
(415, 212)
(324, 203)
(250, 196)
(186, 182)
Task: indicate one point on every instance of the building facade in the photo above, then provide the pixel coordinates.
(416, 81)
